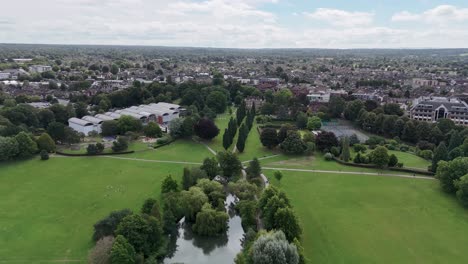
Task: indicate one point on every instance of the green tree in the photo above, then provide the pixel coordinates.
(278, 175)
(217, 101)
(26, 145)
(269, 137)
(462, 190)
(121, 144)
(448, 172)
(169, 185)
(240, 145)
(122, 252)
(336, 106)
(148, 206)
(379, 156)
(273, 248)
(152, 130)
(227, 139)
(9, 148)
(127, 123)
(143, 233)
(293, 144)
(175, 128)
(210, 166)
(44, 155)
(109, 128)
(345, 153)
(314, 123)
(210, 222)
(45, 142)
(440, 153)
(57, 131)
(254, 169)
(456, 140)
(393, 160)
(193, 201)
(114, 69)
(301, 120)
(352, 109)
(229, 163)
(287, 221)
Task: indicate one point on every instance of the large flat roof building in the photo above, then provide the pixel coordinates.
(431, 109)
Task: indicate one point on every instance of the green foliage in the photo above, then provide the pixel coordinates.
(214, 191)
(301, 120)
(448, 172)
(359, 148)
(345, 153)
(287, 221)
(26, 145)
(127, 123)
(122, 251)
(278, 175)
(462, 190)
(240, 113)
(108, 225)
(328, 156)
(109, 128)
(229, 163)
(379, 156)
(210, 166)
(9, 148)
(336, 106)
(254, 169)
(243, 189)
(352, 109)
(314, 123)
(44, 155)
(169, 185)
(269, 137)
(273, 248)
(143, 233)
(121, 144)
(191, 176)
(440, 153)
(293, 144)
(393, 160)
(148, 206)
(248, 212)
(193, 201)
(425, 154)
(45, 142)
(175, 128)
(217, 101)
(152, 130)
(210, 222)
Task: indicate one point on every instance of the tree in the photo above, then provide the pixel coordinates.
(100, 254)
(269, 137)
(352, 109)
(336, 106)
(287, 221)
(448, 172)
(283, 132)
(109, 128)
(210, 166)
(45, 142)
(26, 146)
(44, 155)
(240, 113)
(91, 149)
(379, 156)
(187, 127)
(301, 120)
(410, 132)
(148, 206)
(193, 201)
(254, 169)
(217, 101)
(143, 233)
(293, 144)
(273, 248)
(127, 123)
(456, 140)
(206, 129)
(393, 160)
(122, 251)
(229, 163)
(227, 139)
(278, 175)
(345, 153)
(108, 225)
(314, 123)
(191, 176)
(121, 144)
(81, 109)
(9, 148)
(440, 153)
(445, 125)
(57, 131)
(152, 130)
(240, 145)
(99, 147)
(326, 140)
(210, 222)
(45, 117)
(114, 69)
(169, 185)
(392, 109)
(462, 190)
(175, 128)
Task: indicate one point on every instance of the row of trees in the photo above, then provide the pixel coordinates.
(24, 145)
(230, 133)
(289, 140)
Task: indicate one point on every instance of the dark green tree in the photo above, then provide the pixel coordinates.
(440, 153)
(122, 252)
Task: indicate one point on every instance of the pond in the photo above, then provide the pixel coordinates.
(194, 249)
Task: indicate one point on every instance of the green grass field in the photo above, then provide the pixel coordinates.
(48, 208)
(368, 219)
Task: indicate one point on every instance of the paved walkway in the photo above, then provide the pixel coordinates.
(353, 172)
(267, 157)
(155, 161)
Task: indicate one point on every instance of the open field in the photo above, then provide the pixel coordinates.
(48, 208)
(365, 219)
(180, 150)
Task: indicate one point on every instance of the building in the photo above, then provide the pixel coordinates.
(161, 113)
(250, 101)
(431, 109)
(40, 68)
(320, 97)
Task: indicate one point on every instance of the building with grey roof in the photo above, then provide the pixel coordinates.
(431, 109)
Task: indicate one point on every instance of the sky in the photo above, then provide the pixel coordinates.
(239, 23)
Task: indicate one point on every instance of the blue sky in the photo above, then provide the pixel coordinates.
(240, 23)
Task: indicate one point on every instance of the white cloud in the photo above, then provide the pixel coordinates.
(222, 23)
(341, 17)
(439, 15)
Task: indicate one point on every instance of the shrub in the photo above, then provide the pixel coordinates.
(121, 144)
(91, 149)
(335, 151)
(404, 148)
(328, 156)
(353, 140)
(326, 140)
(359, 148)
(426, 154)
(44, 154)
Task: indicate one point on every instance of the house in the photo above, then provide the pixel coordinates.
(319, 97)
(431, 109)
(39, 68)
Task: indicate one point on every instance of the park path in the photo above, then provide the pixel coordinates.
(155, 161)
(353, 172)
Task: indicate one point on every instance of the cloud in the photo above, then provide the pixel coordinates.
(341, 18)
(438, 15)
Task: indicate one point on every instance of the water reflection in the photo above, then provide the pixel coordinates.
(187, 247)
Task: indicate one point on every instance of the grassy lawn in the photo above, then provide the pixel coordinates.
(221, 122)
(47, 209)
(317, 162)
(410, 160)
(368, 219)
(253, 146)
(180, 150)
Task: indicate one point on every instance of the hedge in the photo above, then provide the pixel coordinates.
(97, 154)
(371, 166)
(164, 144)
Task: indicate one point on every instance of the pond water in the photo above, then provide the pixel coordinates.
(188, 247)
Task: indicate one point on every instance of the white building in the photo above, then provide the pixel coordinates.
(320, 97)
(81, 126)
(39, 68)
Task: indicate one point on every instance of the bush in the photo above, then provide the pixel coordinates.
(335, 151)
(91, 149)
(152, 130)
(359, 148)
(121, 144)
(326, 140)
(328, 156)
(375, 140)
(44, 154)
(426, 154)
(310, 148)
(404, 148)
